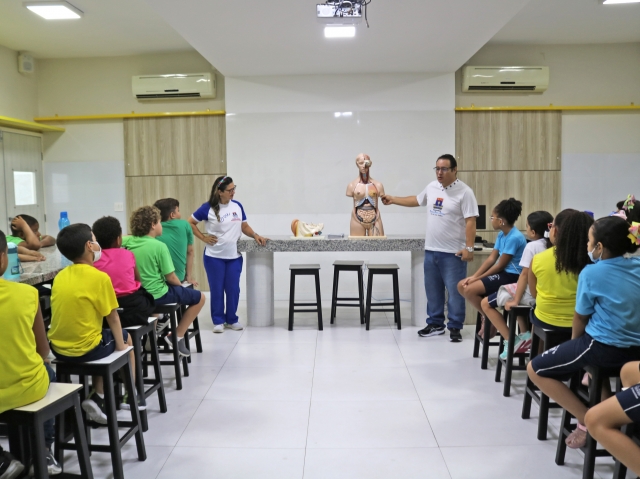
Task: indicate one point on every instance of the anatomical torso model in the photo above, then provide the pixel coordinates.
(366, 193)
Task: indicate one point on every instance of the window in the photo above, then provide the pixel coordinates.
(24, 188)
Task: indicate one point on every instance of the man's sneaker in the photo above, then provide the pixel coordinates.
(505, 352)
(218, 328)
(235, 326)
(94, 407)
(521, 340)
(126, 404)
(431, 330)
(10, 467)
(455, 336)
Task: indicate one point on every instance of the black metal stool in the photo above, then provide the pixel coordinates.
(26, 425)
(171, 311)
(304, 270)
(193, 331)
(551, 339)
(347, 266)
(485, 340)
(591, 396)
(383, 269)
(106, 368)
(137, 333)
(632, 431)
(511, 317)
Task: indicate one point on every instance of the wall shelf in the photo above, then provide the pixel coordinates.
(550, 108)
(119, 116)
(28, 125)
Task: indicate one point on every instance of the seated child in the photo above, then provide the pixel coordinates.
(81, 296)
(605, 419)
(512, 295)
(135, 302)
(178, 236)
(25, 374)
(501, 267)
(606, 324)
(25, 228)
(157, 272)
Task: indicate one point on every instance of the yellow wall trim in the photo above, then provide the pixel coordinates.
(548, 108)
(118, 116)
(27, 125)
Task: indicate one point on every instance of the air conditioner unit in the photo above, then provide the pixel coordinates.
(174, 86)
(505, 79)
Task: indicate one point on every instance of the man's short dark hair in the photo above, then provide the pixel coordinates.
(166, 207)
(71, 240)
(3, 242)
(452, 161)
(107, 230)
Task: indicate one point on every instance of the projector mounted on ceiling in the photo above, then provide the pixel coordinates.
(342, 12)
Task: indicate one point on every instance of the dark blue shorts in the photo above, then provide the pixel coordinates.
(106, 347)
(571, 357)
(180, 295)
(492, 283)
(630, 402)
(546, 326)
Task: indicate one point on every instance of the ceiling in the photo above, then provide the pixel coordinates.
(108, 28)
(283, 37)
(571, 22)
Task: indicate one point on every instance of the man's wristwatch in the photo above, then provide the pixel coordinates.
(469, 249)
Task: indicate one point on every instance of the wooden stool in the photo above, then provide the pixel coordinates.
(171, 312)
(193, 331)
(591, 397)
(485, 340)
(512, 320)
(106, 368)
(304, 270)
(383, 269)
(27, 423)
(137, 333)
(347, 266)
(551, 339)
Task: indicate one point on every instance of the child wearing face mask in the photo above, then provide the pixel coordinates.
(606, 324)
(81, 296)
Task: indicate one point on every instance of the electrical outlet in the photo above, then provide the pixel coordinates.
(118, 207)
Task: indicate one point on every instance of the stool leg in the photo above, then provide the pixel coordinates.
(157, 370)
(137, 354)
(38, 455)
(529, 386)
(485, 344)
(396, 300)
(334, 293)
(543, 416)
(81, 441)
(196, 327)
(135, 413)
(318, 300)
(476, 341)
(292, 298)
(361, 294)
(499, 365)
(508, 367)
(186, 334)
(367, 314)
(176, 356)
(112, 425)
(595, 392)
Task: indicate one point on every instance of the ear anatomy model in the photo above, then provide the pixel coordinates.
(366, 193)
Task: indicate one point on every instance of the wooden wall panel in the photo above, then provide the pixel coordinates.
(175, 146)
(191, 191)
(508, 140)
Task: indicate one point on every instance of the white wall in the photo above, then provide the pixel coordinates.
(18, 91)
(293, 158)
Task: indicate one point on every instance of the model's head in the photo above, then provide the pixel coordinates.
(446, 169)
(108, 232)
(611, 234)
(569, 234)
(364, 163)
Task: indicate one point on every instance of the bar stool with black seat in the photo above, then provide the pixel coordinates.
(484, 340)
(170, 312)
(106, 368)
(632, 431)
(511, 317)
(193, 331)
(550, 339)
(383, 269)
(137, 334)
(26, 429)
(347, 302)
(314, 307)
(590, 396)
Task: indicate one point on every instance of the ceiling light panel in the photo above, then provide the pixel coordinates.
(54, 10)
(613, 2)
(340, 32)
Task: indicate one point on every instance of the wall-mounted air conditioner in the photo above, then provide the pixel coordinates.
(505, 79)
(174, 86)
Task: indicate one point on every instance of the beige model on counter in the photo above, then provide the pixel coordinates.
(366, 193)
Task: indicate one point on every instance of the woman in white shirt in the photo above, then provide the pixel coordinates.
(225, 224)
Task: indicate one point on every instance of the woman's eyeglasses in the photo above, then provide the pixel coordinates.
(231, 190)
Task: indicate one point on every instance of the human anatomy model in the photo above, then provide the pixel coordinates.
(366, 193)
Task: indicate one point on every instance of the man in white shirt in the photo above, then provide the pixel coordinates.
(451, 231)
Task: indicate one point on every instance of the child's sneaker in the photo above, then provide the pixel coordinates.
(505, 352)
(235, 326)
(94, 407)
(521, 340)
(10, 467)
(126, 404)
(182, 346)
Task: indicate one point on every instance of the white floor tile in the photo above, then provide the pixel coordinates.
(271, 355)
(278, 334)
(349, 383)
(268, 384)
(257, 424)
(165, 429)
(195, 386)
(407, 463)
(368, 424)
(358, 354)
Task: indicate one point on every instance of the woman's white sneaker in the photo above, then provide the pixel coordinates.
(235, 326)
(218, 328)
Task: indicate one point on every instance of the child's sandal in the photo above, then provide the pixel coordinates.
(578, 438)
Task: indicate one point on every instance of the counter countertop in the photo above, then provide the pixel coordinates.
(37, 272)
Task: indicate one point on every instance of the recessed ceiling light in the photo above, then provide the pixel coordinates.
(347, 31)
(54, 10)
(611, 2)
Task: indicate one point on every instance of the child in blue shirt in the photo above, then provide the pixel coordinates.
(502, 265)
(606, 324)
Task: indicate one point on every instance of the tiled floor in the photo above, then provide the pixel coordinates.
(341, 403)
